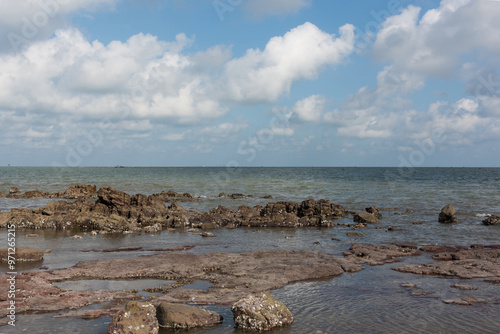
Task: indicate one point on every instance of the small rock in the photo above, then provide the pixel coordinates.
(261, 312)
(464, 301)
(408, 285)
(208, 235)
(365, 218)
(374, 211)
(178, 316)
(31, 235)
(447, 215)
(463, 287)
(76, 236)
(354, 234)
(410, 211)
(135, 318)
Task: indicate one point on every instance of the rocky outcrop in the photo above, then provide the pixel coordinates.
(379, 254)
(136, 318)
(374, 211)
(447, 215)
(492, 220)
(22, 254)
(365, 218)
(180, 316)
(261, 312)
(80, 191)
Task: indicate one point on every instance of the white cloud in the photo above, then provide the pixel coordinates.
(263, 76)
(260, 8)
(310, 109)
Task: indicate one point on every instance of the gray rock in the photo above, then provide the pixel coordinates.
(365, 218)
(176, 316)
(492, 220)
(261, 312)
(447, 215)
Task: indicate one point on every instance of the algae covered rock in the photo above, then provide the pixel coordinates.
(185, 316)
(261, 312)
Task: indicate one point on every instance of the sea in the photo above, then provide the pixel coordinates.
(370, 301)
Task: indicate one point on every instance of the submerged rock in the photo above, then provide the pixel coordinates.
(365, 218)
(177, 316)
(136, 318)
(261, 312)
(447, 215)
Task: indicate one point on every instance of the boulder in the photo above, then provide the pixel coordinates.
(80, 192)
(23, 254)
(180, 316)
(13, 191)
(447, 215)
(261, 312)
(492, 220)
(365, 218)
(135, 318)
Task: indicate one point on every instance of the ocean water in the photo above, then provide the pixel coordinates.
(370, 301)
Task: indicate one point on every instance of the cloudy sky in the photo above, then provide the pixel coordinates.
(250, 83)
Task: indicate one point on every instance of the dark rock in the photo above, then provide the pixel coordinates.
(208, 235)
(463, 287)
(447, 215)
(464, 301)
(374, 211)
(261, 312)
(22, 254)
(492, 220)
(13, 191)
(136, 318)
(237, 196)
(179, 316)
(365, 218)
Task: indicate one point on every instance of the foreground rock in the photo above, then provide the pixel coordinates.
(232, 275)
(447, 215)
(136, 318)
(464, 262)
(22, 254)
(492, 220)
(261, 312)
(179, 316)
(117, 211)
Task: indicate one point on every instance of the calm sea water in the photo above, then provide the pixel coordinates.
(371, 301)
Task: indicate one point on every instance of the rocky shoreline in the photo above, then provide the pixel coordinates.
(233, 276)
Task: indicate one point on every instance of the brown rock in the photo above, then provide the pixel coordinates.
(261, 312)
(22, 254)
(447, 215)
(464, 301)
(365, 218)
(463, 287)
(178, 316)
(113, 198)
(136, 318)
(80, 191)
(374, 211)
(379, 254)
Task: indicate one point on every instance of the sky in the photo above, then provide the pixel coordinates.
(399, 83)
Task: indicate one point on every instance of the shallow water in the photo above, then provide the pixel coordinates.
(371, 301)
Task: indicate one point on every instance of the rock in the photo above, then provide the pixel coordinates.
(374, 211)
(179, 316)
(463, 287)
(365, 218)
(22, 254)
(379, 254)
(13, 191)
(492, 220)
(261, 312)
(1, 194)
(111, 197)
(136, 318)
(408, 285)
(447, 215)
(464, 301)
(32, 235)
(80, 192)
(208, 235)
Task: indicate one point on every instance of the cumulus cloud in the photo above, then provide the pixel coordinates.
(260, 8)
(310, 109)
(263, 76)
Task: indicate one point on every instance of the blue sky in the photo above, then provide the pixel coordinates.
(250, 83)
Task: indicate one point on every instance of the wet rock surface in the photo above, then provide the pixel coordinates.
(379, 254)
(447, 215)
(492, 220)
(178, 316)
(135, 318)
(261, 312)
(463, 262)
